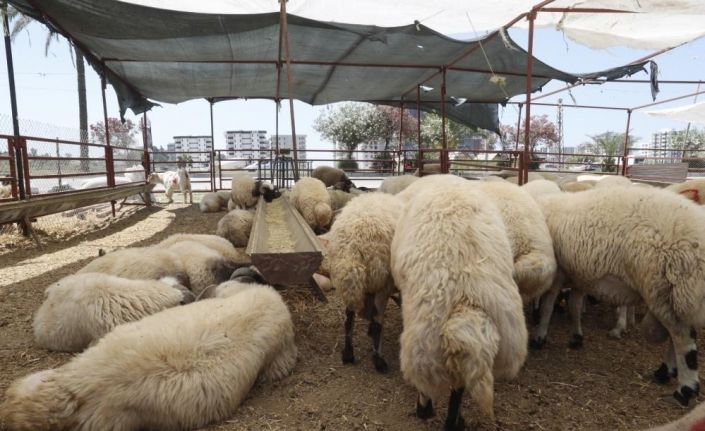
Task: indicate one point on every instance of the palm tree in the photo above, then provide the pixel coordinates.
(20, 22)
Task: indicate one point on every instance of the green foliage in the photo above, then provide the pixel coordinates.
(348, 125)
(432, 132)
(347, 164)
(384, 162)
(184, 160)
(608, 144)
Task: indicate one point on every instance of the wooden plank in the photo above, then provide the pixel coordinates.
(45, 205)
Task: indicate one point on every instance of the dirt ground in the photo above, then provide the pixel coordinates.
(604, 386)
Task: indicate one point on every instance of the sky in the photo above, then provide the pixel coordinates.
(46, 88)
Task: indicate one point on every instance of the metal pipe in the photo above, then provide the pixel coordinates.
(527, 124)
(109, 166)
(669, 100)
(401, 136)
(444, 143)
(533, 102)
(419, 164)
(516, 145)
(145, 144)
(625, 153)
(285, 31)
(13, 101)
(212, 154)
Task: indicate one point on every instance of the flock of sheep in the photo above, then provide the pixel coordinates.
(174, 335)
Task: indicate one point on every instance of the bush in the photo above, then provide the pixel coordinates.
(348, 165)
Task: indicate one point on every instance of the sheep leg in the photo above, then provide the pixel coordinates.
(684, 344)
(547, 302)
(575, 308)
(424, 407)
(348, 354)
(454, 420)
(668, 367)
(375, 331)
(621, 326)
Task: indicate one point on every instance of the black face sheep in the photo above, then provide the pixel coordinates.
(180, 369)
(626, 246)
(331, 176)
(463, 319)
(81, 308)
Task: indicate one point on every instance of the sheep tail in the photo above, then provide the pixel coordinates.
(533, 273)
(350, 278)
(470, 342)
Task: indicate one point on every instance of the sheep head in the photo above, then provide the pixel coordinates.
(154, 179)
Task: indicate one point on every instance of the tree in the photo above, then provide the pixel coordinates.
(20, 22)
(184, 160)
(348, 125)
(121, 134)
(432, 132)
(542, 132)
(608, 144)
(690, 141)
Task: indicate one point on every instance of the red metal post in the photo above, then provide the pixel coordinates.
(444, 143)
(109, 165)
(11, 145)
(419, 163)
(401, 137)
(212, 154)
(22, 142)
(285, 32)
(524, 178)
(145, 145)
(516, 145)
(625, 154)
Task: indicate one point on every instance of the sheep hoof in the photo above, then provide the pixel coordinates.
(577, 342)
(661, 375)
(424, 412)
(459, 425)
(380, 364)
(537, 343)
(685, 393)
(616, 334)
(348, 356)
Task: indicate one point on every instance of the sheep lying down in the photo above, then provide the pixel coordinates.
(180, 369)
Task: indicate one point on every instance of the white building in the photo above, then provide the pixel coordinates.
(663, 148)
(203, 145)
(250, 145)
(286, 143)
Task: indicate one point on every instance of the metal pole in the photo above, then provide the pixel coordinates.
(516, 145)
(419, 166)
(401, 137)
(625, 154)
(212, 164)
(527, 123)
(444, 143)
(13, 101)
(145, 144)
(110, 168)
(285, 32)
(58, 162)
(276, 144)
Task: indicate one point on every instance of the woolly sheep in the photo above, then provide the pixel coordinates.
(170, 181)
(576, 186)
(235, 226)
(357, 257)
(185, 184)
(179, 369)
(214, 242)
(140, 263)
(692, 189)
(540, 187)
(331, 176)
(613, 181)
(493, 178)
(533, 176)
(394, 185)
(645, 245)
(463, 320)
(214, 202)
(5, 191)
(310, 198)
(81, 308)
(428, 169)
(691, 421)
(339, 198)
(246, 191)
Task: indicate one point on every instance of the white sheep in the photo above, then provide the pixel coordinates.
(246, 191)
(180, 369)
(691, 421)
(170, 181)
(540, 187)
(310, 198)
(339, 198)
(394, 185)
(577, 186)
(357, 258)
(185, 184)
(214, 201)
(235, 226)
(646, 245)
(613, 181)
(462, 312)
(81, 308)
(214, 242)
(5, 191)
(692, 189)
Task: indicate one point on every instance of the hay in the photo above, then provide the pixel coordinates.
(278, 235)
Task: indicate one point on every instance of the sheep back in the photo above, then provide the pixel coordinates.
(235, 226)
(243, 186)
(214, 242)
(394, 185)
(329, 175)
(310, 197)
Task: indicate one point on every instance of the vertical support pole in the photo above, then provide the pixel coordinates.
(625, 153)
(444, 143)
(145, 145)
(516, 145)
(58, 162)
(289, 87)
(276, 132)
(212, 152)
(13, 101)
(524, 178)
(109, 164)
(401, 138)
(419, 162)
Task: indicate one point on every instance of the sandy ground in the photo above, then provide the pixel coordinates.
(605, 386)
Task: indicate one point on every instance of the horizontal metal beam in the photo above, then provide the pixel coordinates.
(660, 102)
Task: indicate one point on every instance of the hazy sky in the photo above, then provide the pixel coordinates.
(46, 87)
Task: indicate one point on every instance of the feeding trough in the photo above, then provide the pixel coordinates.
(283, 247)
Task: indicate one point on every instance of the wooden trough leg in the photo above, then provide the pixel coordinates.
(112, 205)
(317, 292)
(27, 226)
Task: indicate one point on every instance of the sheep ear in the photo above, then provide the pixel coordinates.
(101, 252)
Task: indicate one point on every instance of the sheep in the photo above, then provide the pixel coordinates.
(214, 202)
(540, 187)
(310, 198)
(576, 186)
(462, 313)
(493, 178)
(692, 421)
(357, 258)
(214, 242)
(5, 191)
(613, 181)
(246, 191)
(179, 369)
(331, 176)
(394, 185)
(140, 263)
(170, 181)
(339, 198)
(135, 173)
(185, 184)
(645, 245)
(693, 190)
(235, 226)
(428, 169)
(81, 308)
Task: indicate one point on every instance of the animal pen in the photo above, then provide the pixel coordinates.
(417, 69)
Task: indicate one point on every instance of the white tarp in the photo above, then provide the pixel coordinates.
(656, 24)
(694, 113)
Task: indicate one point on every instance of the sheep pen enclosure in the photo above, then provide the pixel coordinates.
(605, 386)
